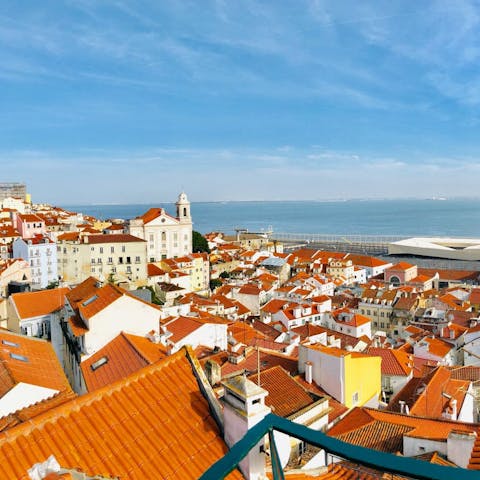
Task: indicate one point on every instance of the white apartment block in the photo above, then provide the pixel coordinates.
(41, 254)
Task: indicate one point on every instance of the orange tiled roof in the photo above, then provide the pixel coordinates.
(180, 327)
(87, 288)
(339, 471)
(43, 302)
(274, 306)
(267, 359)
(39, 364)
(425, 395)
(152, 214)
(401, 266)
(384, 431)
(102, 298)
(113, 238)
(285, 395)
(153, 270)
(124, 355)
(244, 333)
(154, 424)
(394, 362)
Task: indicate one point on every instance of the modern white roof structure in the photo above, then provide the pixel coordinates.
(438, 247)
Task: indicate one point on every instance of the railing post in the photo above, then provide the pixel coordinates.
(277, 469)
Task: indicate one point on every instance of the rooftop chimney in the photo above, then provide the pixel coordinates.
(308, 372)
(244, 407)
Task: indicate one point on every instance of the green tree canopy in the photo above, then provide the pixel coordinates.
(199, 243)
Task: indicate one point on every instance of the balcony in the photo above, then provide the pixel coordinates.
(383, 462)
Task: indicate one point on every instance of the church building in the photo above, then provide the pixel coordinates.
(166, 236)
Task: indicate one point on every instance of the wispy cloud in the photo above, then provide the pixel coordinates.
(295, 174)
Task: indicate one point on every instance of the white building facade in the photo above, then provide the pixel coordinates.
(166, 236)
(41, 254)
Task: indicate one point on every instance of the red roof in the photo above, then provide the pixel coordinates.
(154, 424)
(285, 395)
(394, 362)
(112, 238)
(36, 304)
(124, 355)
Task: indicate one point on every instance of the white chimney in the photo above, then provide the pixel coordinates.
(402, 406)
(308, 372)
(244, 407)
(453, 405)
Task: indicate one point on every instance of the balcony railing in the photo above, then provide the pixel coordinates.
(384, 462)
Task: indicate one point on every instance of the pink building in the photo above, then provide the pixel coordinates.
(29, 225)
(401, 273)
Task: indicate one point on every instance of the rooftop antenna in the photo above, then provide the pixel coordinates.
(258, 365)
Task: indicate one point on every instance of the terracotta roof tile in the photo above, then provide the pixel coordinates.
(267, 359)
(154, 424)
(384, 431)
(36, 364)
(425, 396)
(285, 395)
(394, 362)
(124, 355)
(43, 302)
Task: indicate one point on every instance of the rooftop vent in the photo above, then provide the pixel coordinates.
(99, 363)
(89, 300)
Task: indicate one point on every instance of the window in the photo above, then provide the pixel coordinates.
(99, 363)
(123, 248)
(10, 344)
(101, 249)
(137, 259)
(99, 260)
(112, 249)
(92, 249)
(110, 260)
(129, 260)
(16, 356)
(120, 260)
(355, 398)
(129, 269)
(302, 448)
(93, 260)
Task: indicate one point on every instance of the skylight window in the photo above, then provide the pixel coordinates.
(10, 344)
(89, 300)
(16, 356)
(99, 363)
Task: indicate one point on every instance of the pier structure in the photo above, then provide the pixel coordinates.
(366, 244)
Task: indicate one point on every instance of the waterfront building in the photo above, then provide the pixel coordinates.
(166, 236)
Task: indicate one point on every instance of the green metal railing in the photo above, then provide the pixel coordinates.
(384, 462)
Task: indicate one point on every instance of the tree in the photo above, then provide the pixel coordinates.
(225, 275)
(199, 243)
(215, 283)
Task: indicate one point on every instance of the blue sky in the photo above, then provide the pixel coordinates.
(132, 101)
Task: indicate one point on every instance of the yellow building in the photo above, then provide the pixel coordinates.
(352, 378)
(114, 257)
(196, 265)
